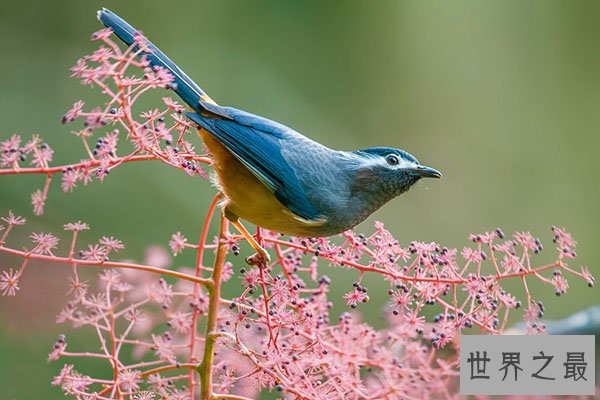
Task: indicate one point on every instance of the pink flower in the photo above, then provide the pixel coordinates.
(59, 347)
(94, 252)
(181, 322)
(227, 272)
(173, 157)
(160, 77)
(31, 144)
(103, 54)
(44, 243)
(79, 70)
(487, 237)
(162, 133)
(560, 283)
(134, 315)
(76, 226)
(151, 114)
(11, 145)
(415, 322)
(182, 124)
(511, 263)
(65, 373)
(110, 277)
(98, 301)
(251, 278)
(130, 81)
(86, 173)
(162, 347)
(103, 170)
(109, 141)
(354, 297)
(12, 219)
(111, 243)
(508, 299)
(11, 151)
(77, 289)
(471, 255)
(423, 248)
(445, 332)
(9, 159)
(95, 119)
(9, 282)
(177, 243)
(526, 240)
(144, 395)
(129, 380)
(38, 200)
(280, 290)
(77, 384)
(43, 156)
(589, 278)
(402, 299)
(102, 34)
(563, 238)
(143, 140)
(74, 111)
(162, 293)
(69, 179)
(173, 105)
(140, 41)
(178, 394)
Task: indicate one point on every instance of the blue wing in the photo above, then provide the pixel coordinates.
(256, 142)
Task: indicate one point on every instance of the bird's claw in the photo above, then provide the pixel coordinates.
(260, 258)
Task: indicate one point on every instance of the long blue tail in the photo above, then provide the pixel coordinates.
(185, 87)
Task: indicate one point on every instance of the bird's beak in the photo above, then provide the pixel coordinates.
(427, 172)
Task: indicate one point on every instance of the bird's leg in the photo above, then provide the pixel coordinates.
(261, 256)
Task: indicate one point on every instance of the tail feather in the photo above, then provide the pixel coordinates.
(185, 87)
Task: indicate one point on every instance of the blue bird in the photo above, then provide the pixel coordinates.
(277, 178)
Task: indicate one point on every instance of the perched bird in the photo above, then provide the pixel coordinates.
(277, 178)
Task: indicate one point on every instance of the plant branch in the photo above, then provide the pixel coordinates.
(105, 264)
(91, 163)
(214, 289)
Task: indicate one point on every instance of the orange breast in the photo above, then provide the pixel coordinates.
(248, 198)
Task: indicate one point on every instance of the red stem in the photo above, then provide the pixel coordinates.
(91, 163)
(107, 264)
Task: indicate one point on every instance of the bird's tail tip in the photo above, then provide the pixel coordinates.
(100, 13)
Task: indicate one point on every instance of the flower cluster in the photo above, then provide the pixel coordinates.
(165, 331)
(113, 134)
(278, 333)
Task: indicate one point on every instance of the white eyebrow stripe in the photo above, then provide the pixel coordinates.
(369, 159)
(405, 163)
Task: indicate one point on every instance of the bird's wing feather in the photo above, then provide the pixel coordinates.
(256, 142)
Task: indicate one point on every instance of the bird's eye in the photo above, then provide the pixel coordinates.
(392, 159)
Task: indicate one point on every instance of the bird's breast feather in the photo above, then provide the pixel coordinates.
(258, 143)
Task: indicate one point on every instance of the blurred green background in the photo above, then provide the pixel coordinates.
(502, 97)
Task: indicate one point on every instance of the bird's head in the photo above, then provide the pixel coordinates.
(387, 172)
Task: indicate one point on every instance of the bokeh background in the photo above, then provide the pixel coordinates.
(502, 97)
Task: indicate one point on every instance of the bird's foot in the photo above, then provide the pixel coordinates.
(260, 258)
